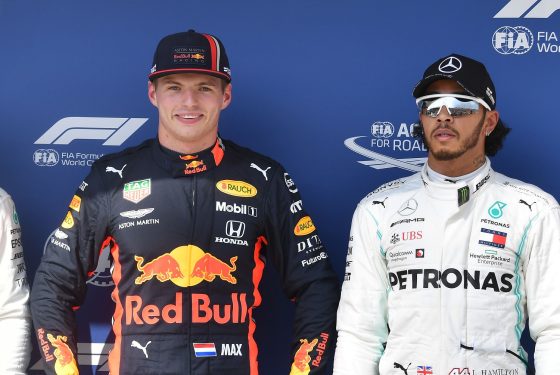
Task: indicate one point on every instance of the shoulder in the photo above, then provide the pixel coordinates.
(524, 191)
(394, 189)
(244, 153)
(138, 151)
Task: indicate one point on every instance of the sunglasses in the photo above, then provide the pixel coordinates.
(457, 105)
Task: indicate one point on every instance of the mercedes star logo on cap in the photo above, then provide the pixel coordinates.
(450, 65)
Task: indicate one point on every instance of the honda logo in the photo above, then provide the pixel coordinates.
(235, 229)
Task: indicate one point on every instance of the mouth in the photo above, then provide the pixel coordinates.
(189, 118)
(444, 134)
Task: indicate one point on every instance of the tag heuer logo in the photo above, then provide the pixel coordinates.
(135, 191)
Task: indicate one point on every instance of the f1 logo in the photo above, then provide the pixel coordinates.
(235, 229)
(113, 130)
(518, 8)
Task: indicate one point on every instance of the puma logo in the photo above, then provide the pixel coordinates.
(136, 344)
(114, 170)
(263, 171)
(380, 202)
(527, 204)
(398, 365)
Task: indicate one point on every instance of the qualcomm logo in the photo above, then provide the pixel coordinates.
(89, 354)
(528, 9)
(113, 130)
(512, 40)
(383, 133)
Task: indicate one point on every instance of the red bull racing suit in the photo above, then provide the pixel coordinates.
(15, 321)
(189, 236)
(441, 277)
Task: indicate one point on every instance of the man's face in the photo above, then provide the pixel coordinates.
(451, 138)
(189, 106)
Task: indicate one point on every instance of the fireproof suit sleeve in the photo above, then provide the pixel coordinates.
(15, 321)
(362, 312)
(307, 276)
(543, 289)
(60, 282)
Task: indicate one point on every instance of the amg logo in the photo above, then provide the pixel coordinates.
(235, 208)
(232, 350)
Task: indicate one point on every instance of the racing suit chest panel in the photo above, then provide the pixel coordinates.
(466, 260)
(186, 249)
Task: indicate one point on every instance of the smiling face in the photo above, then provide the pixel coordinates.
(455, 144)
(189, 106)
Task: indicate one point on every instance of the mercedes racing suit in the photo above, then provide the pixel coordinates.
(441, 278)
(189, 236)
(15, 321)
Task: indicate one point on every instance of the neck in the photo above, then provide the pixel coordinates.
(456, 167)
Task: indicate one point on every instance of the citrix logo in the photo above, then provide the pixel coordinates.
(113, 130)
(529, 9)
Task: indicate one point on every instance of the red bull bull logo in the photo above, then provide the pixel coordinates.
(186, 266)
(300, 366)
(65, 363)
(195, 166)
(164, 268)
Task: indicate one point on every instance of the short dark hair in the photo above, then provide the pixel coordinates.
(492, 144)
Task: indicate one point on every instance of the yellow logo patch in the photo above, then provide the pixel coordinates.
(304, 226)
(237, 188)
(68, 221)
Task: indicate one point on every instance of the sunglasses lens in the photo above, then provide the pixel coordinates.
(457, 107)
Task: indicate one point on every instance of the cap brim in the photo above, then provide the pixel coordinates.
(423, 84)
(167, 72)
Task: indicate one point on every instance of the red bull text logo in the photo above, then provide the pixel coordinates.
(203, 310)
(186, 266)
(237, 188)
(301, 358)
(195, 166)
(304, 226)
(321, 347)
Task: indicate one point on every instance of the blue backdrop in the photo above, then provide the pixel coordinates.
(308, 78)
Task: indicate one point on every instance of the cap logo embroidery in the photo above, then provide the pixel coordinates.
(450, 65)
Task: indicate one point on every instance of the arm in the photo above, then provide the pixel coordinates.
(308, 278)
(15, 321)
(60, 282)
(362, 312)
(543, 290)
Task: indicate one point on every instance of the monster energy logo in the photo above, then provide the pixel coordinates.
(463, 195)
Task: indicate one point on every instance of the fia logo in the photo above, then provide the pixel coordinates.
(516, 40)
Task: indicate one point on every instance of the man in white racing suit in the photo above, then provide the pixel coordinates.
(15, 321)
(445, 267)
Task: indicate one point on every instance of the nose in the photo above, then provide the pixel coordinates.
(444, 115)
(189, 97)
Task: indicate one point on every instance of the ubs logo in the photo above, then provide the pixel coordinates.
(235, 229)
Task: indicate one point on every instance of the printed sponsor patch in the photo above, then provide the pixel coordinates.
(493, 238)
(204, 349)
(135, 191)
(76, 203)
(304, 226)
(237, 188)
(68, 221)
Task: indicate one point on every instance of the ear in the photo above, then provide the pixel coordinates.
(152, 93)
(226, 96)
(491, 121)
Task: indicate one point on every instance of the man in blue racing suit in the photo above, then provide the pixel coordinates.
(190, 219)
